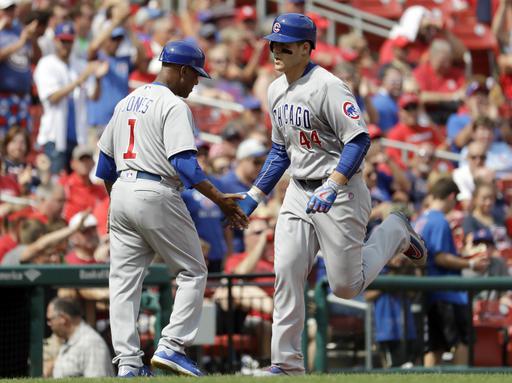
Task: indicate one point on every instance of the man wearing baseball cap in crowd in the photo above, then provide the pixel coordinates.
(481, 245)
(408, 128)
(250, 156)
(83, 241)
(107, 47)
(62, 88)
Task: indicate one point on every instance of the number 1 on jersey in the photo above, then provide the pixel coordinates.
(130, 155)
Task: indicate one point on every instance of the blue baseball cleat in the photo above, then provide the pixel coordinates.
(132, 372)
(417, 252)
(177, 362)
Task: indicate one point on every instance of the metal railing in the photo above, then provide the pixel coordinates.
(397, 283)
(407, 147)
(347, 15)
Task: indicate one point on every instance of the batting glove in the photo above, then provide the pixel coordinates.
(323, 197)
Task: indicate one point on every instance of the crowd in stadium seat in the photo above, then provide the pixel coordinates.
(64, 64)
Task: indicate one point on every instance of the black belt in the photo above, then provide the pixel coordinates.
(313, 184)
(310, 184)
(148, 176)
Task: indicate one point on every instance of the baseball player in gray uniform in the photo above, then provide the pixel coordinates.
(147, 156)
(319, 136)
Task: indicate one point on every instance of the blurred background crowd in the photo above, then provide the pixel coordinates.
(436, 94)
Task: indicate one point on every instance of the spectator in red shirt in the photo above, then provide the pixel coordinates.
(48, 208)
(420, 26)
(408, 129)
(442, 84)
(81, 193)
(141, 75)
(101, 214)
(84, 242)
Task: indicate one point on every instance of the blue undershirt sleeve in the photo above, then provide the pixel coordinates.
(275, 165)
(187, 167)
(106, 169)
(353, 154)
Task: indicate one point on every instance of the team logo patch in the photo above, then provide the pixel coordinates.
(350, 196)
(276, 28)
(350, 110)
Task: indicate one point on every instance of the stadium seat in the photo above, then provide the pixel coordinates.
(490, 346)
(487, 313)
(390, 9)
(474, 35)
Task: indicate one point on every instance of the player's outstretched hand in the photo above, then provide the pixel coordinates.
(234, 214)
(323, 197)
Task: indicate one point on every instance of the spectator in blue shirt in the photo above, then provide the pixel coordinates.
(207, 216)
(385, 100)
(447, 310)
(115, 83)
(389, 328)
(250, 157)
(460, 125)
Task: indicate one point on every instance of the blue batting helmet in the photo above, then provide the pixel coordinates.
(291, 28)
(184, 53)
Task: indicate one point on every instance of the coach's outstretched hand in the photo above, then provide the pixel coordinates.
(235, 216)
(323, 197)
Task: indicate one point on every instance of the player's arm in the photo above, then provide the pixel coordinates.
(106, 170)
(275, 165)
(193, 176)
(350, 160)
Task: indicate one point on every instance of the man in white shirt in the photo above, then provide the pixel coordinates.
(62, 88)
(465, 175)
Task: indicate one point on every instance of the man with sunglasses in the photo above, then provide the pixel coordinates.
(319, 136)
(472, 170)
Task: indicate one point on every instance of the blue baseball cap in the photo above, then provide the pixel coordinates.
(65, 31)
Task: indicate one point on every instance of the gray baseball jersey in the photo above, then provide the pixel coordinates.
(148, 216)
(313, 117)
(148, 126)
